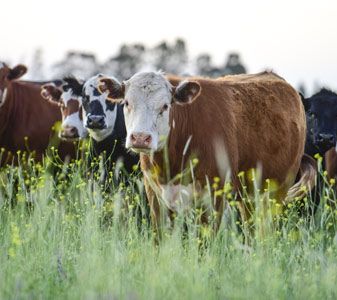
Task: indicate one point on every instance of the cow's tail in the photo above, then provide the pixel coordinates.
(307, 175)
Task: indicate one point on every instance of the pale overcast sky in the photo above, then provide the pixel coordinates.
(297, 39)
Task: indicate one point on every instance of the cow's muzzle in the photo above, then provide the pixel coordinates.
(325, 140)
(69, 133)
(140, 140)
(95, 122)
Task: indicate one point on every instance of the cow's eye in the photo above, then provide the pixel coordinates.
(164, 108)
(85, 100)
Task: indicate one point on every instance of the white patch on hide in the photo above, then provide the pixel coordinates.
(3, 95)
(68, 95)
(178, 198)
(100, 135)
(74, 120)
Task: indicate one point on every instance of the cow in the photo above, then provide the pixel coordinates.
(72, 128)
(103, 120)
(193, 130)
(26, 120)
(321, 113)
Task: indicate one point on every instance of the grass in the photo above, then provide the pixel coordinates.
(68, 236)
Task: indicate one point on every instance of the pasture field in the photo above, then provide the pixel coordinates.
(65, 236)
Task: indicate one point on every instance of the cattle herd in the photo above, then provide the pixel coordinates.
(184, 131)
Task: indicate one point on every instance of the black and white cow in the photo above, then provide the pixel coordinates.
(104, 122)
(70, 104)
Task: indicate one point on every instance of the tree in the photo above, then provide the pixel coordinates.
(205, 67)
(79, 64)
(128, 61)
(36, 71)
(171, 59)
(234, 65)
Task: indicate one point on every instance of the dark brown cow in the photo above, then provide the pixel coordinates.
(231, 124)
(26, 119)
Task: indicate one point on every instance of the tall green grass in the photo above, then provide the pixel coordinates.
(66, 235)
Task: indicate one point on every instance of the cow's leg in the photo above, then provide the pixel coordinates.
(245, 209)
(154, 208)
(218, 208)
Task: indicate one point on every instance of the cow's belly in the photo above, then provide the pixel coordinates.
(177, 197)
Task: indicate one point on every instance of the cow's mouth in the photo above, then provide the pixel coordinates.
(69, 138)
(96, 126)
(139, 150)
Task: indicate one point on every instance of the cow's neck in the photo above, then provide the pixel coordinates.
(6, 112)
(115, 138)
(187, 140)
(174, 159)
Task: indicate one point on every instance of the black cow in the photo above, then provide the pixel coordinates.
(321, 113)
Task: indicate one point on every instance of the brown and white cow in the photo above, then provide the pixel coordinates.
(232, 123)
(70, 104)
(26, 119)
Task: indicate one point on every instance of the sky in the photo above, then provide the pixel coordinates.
(295, 38)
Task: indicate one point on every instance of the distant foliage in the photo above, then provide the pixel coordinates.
(171, 58)
(36, 69)
(79, 64)
(128, 61)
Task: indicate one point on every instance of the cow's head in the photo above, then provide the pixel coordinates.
(148, 98)
(321, 111)
(6, 76)
(71, 108)
(99, 114)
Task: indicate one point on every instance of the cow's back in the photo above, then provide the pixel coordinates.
(253, 118)
(271, 126)
(30, 122)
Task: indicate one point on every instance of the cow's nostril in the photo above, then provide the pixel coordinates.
(73, 130)
(148, 139)
(326, 138)
(133, 138)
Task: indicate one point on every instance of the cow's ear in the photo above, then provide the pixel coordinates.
(186, 92)
(51, 93)
(115, 89)
(17, 72)
(73, 83)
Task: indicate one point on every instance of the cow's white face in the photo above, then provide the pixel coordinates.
(71, 108)
(99, 115)
(148, 97)
(147, 107)
(6, 75)
(72, 114)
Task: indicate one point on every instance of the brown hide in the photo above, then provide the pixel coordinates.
(26, 114)
(258, 118)
(331, 163)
